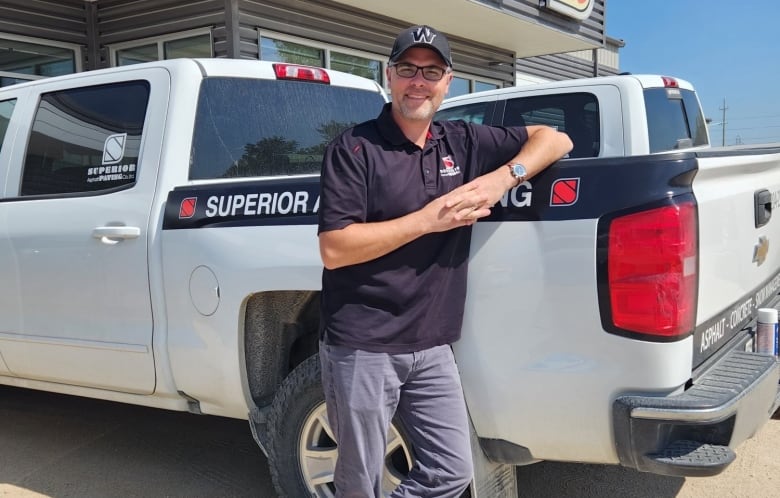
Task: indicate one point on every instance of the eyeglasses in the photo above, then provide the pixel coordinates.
(408, 70)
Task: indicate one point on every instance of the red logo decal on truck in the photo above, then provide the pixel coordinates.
(565, 192)
(187, 208)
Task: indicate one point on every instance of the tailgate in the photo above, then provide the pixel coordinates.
(737, 191)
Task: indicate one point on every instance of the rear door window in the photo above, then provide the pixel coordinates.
(674, 119)
(86, 140)
(249, 128)
(576, 114)
(6, 108)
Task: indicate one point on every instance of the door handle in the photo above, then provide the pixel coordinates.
(114, 234)
(762, 205)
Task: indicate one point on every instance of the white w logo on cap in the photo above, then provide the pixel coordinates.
(423, 35)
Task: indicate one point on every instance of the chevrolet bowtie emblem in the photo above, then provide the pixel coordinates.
(760, 250)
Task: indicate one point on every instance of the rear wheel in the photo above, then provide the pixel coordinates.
(302, 450)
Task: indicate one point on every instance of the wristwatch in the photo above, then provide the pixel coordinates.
(518, 172)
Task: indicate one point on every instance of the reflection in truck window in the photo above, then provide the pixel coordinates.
(576, 114)
(6, 108)
(86, 139)
(247, 127)
(471, 113)
(673, 119)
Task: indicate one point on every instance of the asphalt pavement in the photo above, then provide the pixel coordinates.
(60, 446)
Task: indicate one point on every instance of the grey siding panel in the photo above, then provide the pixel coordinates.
(120, 20)
(247, 43)
(591, 29)
(560, 67)
(341, 25)
(60, 20)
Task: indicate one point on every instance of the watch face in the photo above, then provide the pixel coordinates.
(519, 170)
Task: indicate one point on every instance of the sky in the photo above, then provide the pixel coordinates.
(728, 49)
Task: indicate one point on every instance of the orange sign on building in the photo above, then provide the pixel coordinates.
(577, 9)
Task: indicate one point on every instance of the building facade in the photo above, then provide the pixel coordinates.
(495, 43)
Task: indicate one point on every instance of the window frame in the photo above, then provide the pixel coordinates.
(75, 48)
(134, 167)
(160, 42)
(579, 134)
(327, 48)
(4, 129)
(472, 83)
(686, 117)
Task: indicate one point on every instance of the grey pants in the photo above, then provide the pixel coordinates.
(363, 390)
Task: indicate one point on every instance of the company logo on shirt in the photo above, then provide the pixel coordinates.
(449, 169)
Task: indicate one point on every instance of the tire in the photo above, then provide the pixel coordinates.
(301, 449)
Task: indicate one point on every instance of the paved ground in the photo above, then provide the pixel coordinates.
(59, 446)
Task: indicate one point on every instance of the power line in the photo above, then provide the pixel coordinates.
(755, 127)
(759, 117)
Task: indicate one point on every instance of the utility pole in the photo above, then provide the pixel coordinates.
(724, 121)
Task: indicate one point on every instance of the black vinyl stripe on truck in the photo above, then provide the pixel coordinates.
(568, 190)
(735, 318)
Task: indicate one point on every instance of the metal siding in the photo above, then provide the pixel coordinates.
(590, 29)
(234, 24)
(337, 24)
(561, 67)
(607, 56)
(59, 20)
(120, 20)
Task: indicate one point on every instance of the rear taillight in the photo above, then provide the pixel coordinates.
(306, 73)
(652, 272)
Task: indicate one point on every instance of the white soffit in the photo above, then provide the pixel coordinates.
(479, 22)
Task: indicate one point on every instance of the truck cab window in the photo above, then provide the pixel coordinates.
(471, 113)
(673, 121)
(6, 108)
(576, 114)
(86, 139)
(249, 128)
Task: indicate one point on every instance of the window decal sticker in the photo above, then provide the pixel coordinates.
(114, 148)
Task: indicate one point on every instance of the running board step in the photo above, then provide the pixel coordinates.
(691, 458)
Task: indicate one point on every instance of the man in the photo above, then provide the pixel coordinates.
(398, 197)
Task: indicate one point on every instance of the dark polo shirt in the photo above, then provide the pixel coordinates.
(412, 298)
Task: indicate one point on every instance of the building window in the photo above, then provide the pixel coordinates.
(27, 57)
(291, 52)
(168, 47)
(353, 64)
(462, 85)
(192, 47)
(280, 48)
(7, 79)
(284, 48)
(458, 86)
(481, 86)
(137, 55)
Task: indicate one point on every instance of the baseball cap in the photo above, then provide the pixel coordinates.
(421, 36)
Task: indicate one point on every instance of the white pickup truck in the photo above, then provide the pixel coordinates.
(158, 247)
